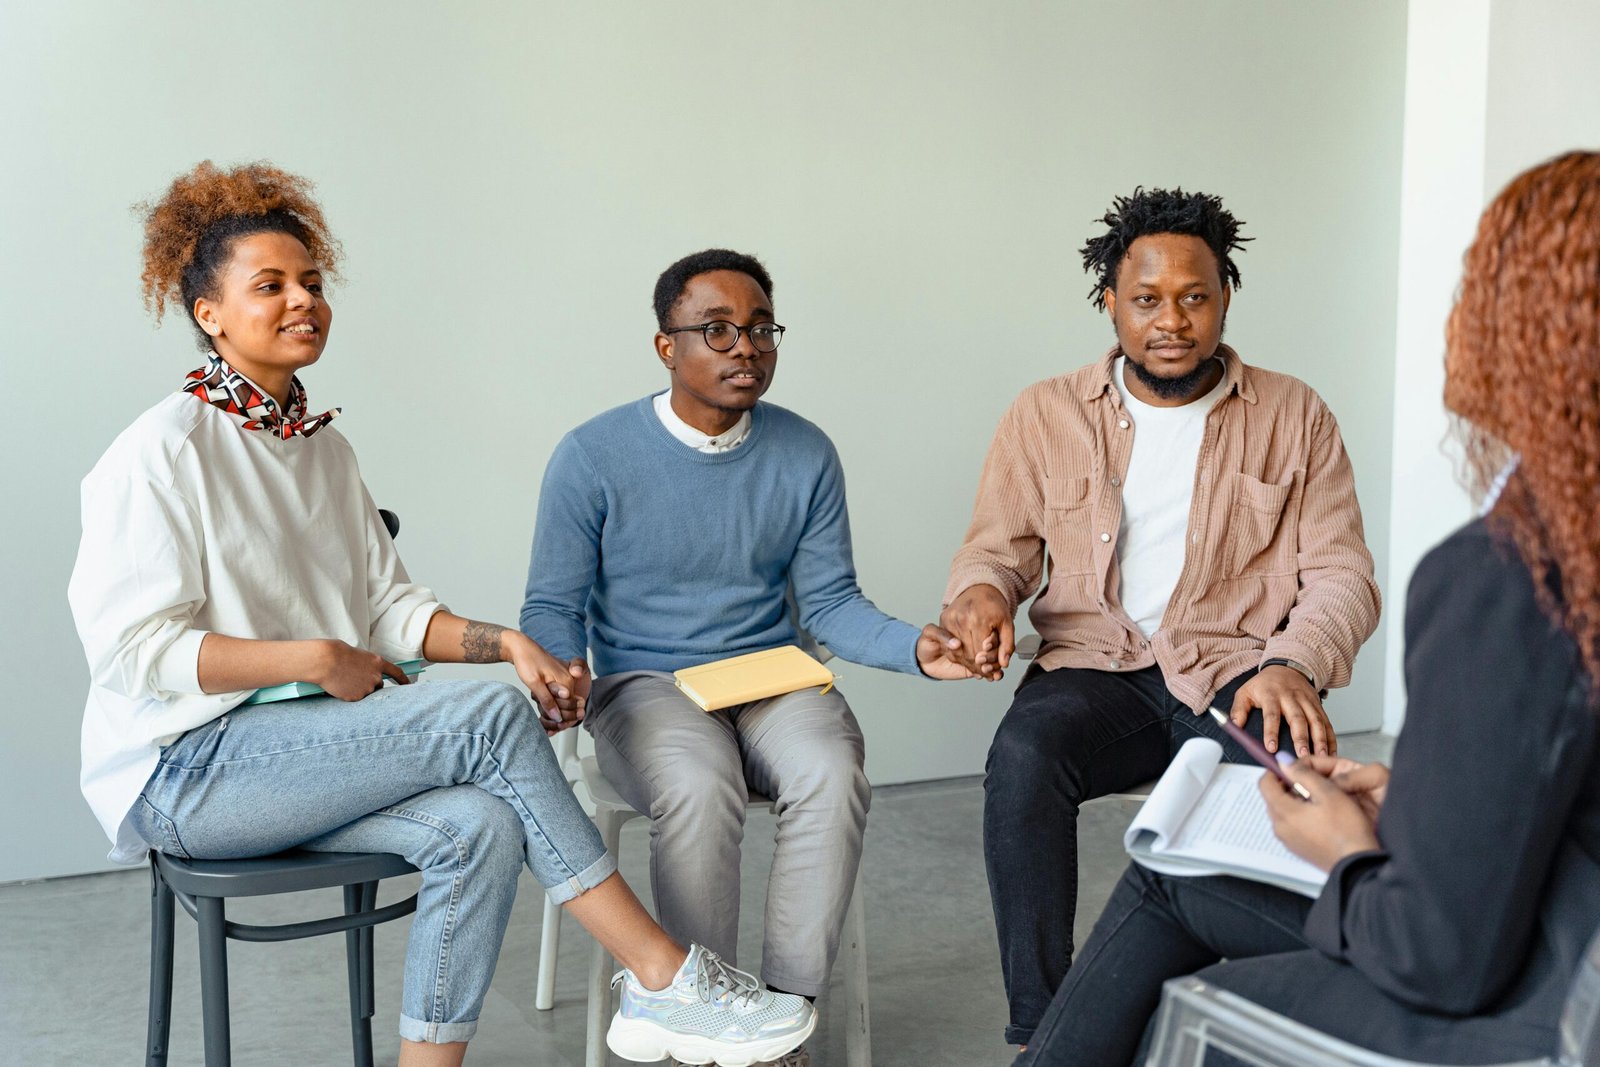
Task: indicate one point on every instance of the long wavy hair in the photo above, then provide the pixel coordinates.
(1522, 375)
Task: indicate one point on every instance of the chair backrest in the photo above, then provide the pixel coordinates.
(1580, 1019)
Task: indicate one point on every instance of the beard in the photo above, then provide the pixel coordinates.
(1183, 387)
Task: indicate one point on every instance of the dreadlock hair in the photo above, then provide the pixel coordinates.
(1161, 211)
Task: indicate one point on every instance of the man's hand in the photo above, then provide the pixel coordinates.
(350, 673)
(1283, 693)
(559, 689)
(980, 619)
(1367, 783)
(1327, 828)
(939, 655)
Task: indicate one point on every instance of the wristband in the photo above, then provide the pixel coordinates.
(1293, 665)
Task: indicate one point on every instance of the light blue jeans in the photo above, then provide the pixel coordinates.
(455, 776)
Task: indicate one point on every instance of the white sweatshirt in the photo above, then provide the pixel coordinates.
(192, 524)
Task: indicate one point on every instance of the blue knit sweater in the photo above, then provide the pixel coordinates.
(665, 557)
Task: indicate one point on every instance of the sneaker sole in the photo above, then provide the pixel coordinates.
(642, 1041)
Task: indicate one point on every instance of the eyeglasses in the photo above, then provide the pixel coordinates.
(722, 336)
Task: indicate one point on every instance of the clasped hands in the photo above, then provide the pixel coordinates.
(559, 690)
(980, 618)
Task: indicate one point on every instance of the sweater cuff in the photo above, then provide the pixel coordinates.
(1324, 927)
(966, 577)
(177, 669)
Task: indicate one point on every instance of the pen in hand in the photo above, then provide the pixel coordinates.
(1259, 753)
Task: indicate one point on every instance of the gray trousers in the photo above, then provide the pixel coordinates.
(692, 772)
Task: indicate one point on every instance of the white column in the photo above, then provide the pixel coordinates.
(1441, 194)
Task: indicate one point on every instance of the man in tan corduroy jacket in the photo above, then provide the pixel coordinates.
(1196, 525)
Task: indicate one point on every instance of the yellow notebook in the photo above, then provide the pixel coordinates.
(741, 679)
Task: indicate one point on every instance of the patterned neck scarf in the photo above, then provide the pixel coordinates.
(223, 387)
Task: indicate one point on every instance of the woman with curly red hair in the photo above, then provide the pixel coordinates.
(1462, 892)
(229, 545)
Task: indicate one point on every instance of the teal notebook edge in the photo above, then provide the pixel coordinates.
(295, 690)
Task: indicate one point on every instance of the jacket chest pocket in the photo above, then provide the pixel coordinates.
(1069, 525)
(1263, 526)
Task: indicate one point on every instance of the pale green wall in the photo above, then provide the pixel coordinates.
(508, 180)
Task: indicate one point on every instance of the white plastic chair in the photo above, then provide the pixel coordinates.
(1196, 1017)
(609, 812)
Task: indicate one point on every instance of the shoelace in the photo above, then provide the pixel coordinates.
(741, 987)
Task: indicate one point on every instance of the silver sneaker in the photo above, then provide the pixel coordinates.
(708, 1013)
(798, 1058)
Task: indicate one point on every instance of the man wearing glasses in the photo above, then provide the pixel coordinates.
(694, 525)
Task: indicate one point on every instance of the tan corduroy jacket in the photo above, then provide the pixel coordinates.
(1276, 564)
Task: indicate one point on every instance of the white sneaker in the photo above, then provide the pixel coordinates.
(708, 1013)
(797, 1058)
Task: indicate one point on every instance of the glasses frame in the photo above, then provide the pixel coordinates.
(738, 332)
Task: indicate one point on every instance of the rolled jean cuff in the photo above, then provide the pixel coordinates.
(583, 881)
(1019, 1035)
(436, 1033)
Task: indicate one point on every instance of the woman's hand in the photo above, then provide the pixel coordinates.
(1368, 783)
(1327, 828)
(559, 689)
(350, 673)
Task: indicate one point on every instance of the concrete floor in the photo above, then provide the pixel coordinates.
(74, 953)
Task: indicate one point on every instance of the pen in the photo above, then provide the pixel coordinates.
(1259, 753)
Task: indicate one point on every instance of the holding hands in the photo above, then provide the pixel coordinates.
(940, 655)
(980, 620)
(559, 689)
(1341, 818)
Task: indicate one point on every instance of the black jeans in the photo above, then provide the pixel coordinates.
(1248, 938)
(1070, 735)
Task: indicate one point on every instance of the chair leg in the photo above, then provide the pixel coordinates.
(357, 967)
(214, 980)
(158, 1026)
(853, 954)
(544, 990)
(369, 998)
(610, 823)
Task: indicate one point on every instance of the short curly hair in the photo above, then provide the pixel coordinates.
(1155, 211)
(190, 231)
(1522, 378)
(673, 280)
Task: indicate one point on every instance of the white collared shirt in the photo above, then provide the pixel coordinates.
(726, 441)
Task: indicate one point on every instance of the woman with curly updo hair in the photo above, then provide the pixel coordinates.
(1463, 891)
(229, 547)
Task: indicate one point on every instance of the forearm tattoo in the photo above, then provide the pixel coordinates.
(480, 642)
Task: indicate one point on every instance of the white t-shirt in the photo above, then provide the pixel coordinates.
(1156, 493)
(191, 525)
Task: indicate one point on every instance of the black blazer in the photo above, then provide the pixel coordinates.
(1487, 889)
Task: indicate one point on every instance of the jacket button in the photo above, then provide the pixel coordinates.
(1122, 424)
(1105, 537)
